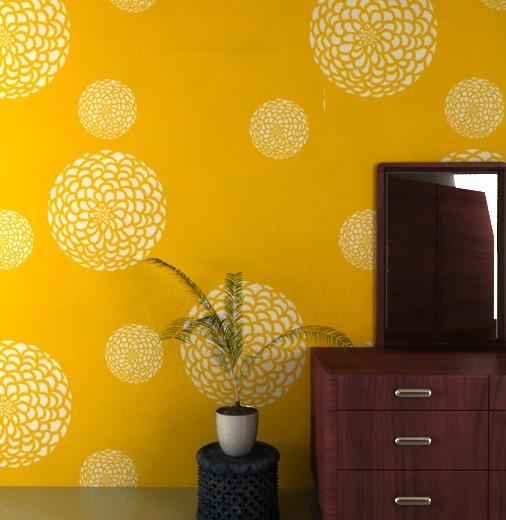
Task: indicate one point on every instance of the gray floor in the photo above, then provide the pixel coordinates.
(129, 504)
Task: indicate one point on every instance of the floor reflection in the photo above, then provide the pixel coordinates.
(128, 504)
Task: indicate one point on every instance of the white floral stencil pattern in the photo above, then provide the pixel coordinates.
(16, 239)
(279, 128)
(495, 4)
(473, 155)
(107, 109)
(373, 47)
(267, 314)
(134, 353)
(108, 468)
(107, 210)
(474, 107)
(133, 6)
(35, 404)
(357, 239)
(34, 44)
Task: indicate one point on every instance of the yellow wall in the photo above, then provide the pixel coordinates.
(198, 71)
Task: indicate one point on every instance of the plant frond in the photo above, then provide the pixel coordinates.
(314, 333)
(247, 361)
(211, 325)
(222, 361)
(194, 289)
(233, 313)
(173, 329)
(184, 329)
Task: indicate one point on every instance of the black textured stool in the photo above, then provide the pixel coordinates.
(238, 488)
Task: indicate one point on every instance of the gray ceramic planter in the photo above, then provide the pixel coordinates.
(237, 429)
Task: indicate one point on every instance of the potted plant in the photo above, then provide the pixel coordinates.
(236, 424)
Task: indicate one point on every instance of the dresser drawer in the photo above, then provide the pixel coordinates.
(497, 392)
(370, 495)
(423, 440)
(394, 392)
(497, 496)
(497, 439)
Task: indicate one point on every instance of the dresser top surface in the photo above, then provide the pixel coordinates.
(376, 361)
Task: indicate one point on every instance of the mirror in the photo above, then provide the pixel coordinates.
(441, 254)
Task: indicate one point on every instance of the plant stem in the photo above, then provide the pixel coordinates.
(235, 379)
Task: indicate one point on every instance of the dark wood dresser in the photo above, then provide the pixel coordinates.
(408, 436)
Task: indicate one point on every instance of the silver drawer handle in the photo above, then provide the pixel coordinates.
(413, 392)
(413, 501)
(413, 441)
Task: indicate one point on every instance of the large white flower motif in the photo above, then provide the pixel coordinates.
(373, 47)
(107, 109)
(34, 44)
(35, 404)
(267, 314)
(134, 353)
(495, 4)
(16, 239)
(107, 210)
(473, 155)
(357, 239)
(279, 128)
(133, 6)
(108, 468)
(474, 107)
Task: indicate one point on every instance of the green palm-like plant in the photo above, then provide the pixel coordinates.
(223, 331)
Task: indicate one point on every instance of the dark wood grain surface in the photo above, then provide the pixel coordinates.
(459, 440)
(324, 438)
(364, 379)
(497, 495)
(497, 439)
(371, 392)
(456, 495)
(440, 274)
(458, 340)
(378, 362)
(497, 392)
(412, 259)
(465, 264)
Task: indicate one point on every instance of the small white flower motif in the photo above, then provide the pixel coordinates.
(357, 239)
(107, 210)
(107, 109)
(108, 468)
(133, 6)
(373, 47)
(473, 155)
(134, 353)
(35, 404)
(16, 239)
(495, 4)
(474, 107)
(34, 44)
(279, 128)
(267, 314)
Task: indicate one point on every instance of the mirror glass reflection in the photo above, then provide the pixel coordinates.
(441, 255)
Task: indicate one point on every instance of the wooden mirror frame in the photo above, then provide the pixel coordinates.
(499, 344)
